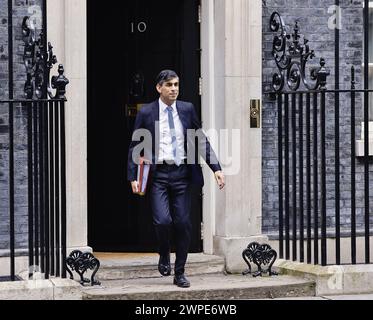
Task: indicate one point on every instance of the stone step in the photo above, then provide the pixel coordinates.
(203, 287)
(135, 266)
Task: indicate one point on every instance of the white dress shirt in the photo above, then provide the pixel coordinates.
(165, 138)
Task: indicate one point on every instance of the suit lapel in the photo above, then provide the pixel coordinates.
(182, 116)
(155, 122)
(155, 111)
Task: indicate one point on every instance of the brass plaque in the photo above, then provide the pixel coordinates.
(132, 109)
(255, 113)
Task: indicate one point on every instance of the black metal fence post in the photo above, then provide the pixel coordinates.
(315, 182)
(36, 182)
(46, 190)
(63, 187)
(366, 129)
(57, 190)
(280, 174)
(30, 178)
(11, 141)
(287, 181)
(301, 181)
(309, 180)
(52, 186)
(294, 174)
(353, 170)
(337, 145)
(323, 181)
(42, 185)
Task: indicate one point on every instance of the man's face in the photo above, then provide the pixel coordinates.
(169, 90)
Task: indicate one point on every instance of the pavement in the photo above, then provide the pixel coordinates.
(135, 277)
(329, 298)
(214, 287)
(203, 287)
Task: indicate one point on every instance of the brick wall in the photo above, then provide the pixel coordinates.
(313, 16)
(20, 9)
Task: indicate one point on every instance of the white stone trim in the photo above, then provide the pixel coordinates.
(208, 118)
(67, 33)
(238, 79)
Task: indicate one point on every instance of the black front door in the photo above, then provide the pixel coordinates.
(129, 42)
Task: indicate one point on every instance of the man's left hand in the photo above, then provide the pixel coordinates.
(220, 179)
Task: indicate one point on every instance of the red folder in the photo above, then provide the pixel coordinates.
(143, 174)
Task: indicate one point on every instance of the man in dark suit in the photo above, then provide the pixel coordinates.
(172, 171)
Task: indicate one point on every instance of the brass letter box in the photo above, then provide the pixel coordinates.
(255, 114)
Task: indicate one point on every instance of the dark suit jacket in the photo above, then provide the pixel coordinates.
(147, 118)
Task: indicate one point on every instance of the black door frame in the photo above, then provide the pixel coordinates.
(197, 245)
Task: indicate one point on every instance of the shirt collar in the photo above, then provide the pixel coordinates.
(164, 106)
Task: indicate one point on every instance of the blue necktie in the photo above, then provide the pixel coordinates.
(173, 135)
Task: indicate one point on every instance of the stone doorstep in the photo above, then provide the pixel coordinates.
(332, 280)
(146, 266)
(152, 259)
(52, 289)
(203, 287)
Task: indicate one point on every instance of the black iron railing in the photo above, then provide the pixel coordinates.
(311, 159)
(304, 175)
(44, 104)
(46, 185)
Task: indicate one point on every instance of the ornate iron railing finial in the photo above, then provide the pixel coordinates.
(38, 62)
(292, 57)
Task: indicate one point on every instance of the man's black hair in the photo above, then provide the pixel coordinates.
(165, 76)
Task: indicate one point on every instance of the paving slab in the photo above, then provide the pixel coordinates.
(332, 280)
(203, 287)
(301, 299)
(330, 298)
(351, 297)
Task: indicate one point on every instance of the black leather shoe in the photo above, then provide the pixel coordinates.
(164, 265)
(181, 281)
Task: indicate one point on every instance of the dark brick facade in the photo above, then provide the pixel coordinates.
(20, 9)
(313, 16)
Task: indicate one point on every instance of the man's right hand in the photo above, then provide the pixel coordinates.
(135, 187)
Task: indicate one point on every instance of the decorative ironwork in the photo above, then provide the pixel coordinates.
(292, 58)
(259, 255)
(80, 263)
(39, 61)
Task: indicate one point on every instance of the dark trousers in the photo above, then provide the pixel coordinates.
(171, 202)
